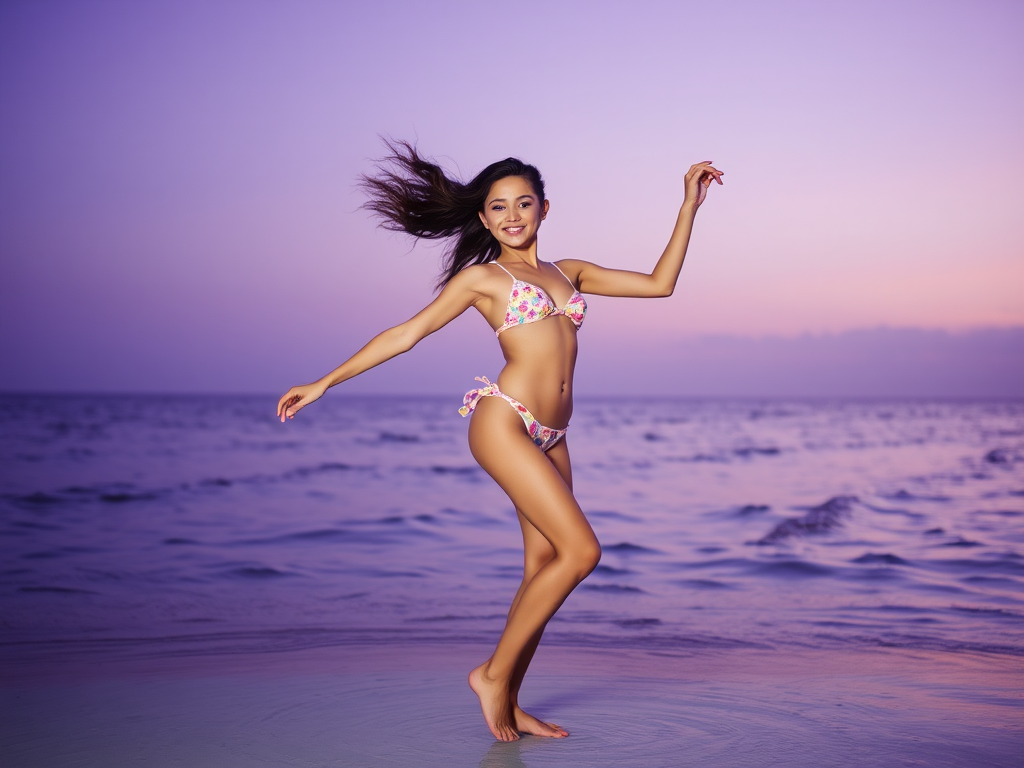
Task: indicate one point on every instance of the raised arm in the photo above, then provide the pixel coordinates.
(458, 295)
(592, 278)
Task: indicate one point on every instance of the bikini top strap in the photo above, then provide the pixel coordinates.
(570, 282)
(503, 269)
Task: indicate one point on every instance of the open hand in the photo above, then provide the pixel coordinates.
(698, 179)
(297, 398)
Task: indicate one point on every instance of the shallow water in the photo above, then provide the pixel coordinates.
(352, 707)
(180, 525)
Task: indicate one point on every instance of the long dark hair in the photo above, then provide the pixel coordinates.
(415, 196)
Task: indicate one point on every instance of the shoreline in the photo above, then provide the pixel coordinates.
(30, 669)
(409, 705)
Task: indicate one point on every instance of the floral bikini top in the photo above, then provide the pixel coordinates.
(528, 303)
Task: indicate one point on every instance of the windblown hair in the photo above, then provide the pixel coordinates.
(415, 196)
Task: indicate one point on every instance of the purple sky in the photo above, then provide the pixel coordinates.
(178, 210)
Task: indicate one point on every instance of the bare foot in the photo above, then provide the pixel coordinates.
(527, 723)
(494, 702)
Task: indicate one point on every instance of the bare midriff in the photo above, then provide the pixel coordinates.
(540, 358)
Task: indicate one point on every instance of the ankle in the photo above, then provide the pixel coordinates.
(492, 674)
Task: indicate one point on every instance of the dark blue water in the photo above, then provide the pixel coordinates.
(179, 525)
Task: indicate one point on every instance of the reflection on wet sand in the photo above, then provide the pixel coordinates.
(379, 707)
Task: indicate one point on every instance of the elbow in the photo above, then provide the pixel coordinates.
(660, 286)
(402, 339)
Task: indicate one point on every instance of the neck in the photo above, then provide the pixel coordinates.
(527, 254)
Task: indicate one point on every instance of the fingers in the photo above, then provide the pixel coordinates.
(710, 174)
(285, 399)
(286, 406)
(707, 178)
(298, 398)
(700, 170)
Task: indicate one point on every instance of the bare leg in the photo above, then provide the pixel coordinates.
(537, 552)
(535, 486)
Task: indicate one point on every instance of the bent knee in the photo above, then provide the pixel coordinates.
(532, 565)
(586, 557)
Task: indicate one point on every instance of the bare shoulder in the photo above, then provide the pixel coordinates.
(573, 268)
(479, 278)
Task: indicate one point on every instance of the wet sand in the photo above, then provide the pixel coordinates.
(410, 706)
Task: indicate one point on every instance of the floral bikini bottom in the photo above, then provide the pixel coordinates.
(544, 437)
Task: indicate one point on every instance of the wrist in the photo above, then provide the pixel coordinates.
(688, 208)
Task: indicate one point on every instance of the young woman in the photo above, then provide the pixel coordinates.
(518, 429)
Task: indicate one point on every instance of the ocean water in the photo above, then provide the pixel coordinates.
(170, 526)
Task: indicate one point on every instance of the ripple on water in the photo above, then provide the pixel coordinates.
(628, 548)
(821, 519)
(332, 719)
(258, 572)
(791, 569)
(612, 589)
(58, 590)
(386, 502)
(885, 558)
(703, 584)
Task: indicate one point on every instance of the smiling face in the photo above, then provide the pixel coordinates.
(513, 212)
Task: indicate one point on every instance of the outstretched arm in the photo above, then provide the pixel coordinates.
(662, 280)
(458, 296)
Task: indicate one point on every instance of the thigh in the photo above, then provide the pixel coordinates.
(528, 476)
(559, 456)
(536, 549)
